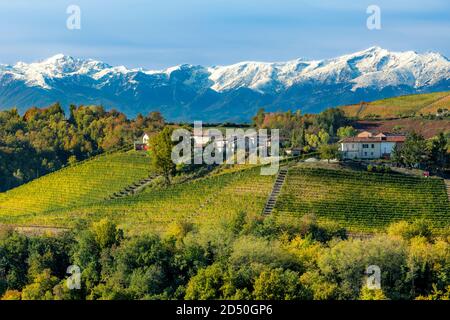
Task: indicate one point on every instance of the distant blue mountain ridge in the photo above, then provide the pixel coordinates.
(224, 93)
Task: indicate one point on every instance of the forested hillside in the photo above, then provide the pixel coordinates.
(43, 140)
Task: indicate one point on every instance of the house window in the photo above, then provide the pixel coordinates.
(373, 146)
(371, 153)
(365, 146)
(365, 153)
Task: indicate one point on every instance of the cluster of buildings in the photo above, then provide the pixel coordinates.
(221, 144)
(365, 145)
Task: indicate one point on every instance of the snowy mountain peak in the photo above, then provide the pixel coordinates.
(371, 73)
(374, 66)
(57, 58)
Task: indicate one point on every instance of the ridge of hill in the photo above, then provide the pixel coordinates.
(90, 181)
(401, 106)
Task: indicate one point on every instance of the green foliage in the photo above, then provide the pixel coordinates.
(409, 230)
(329, 151)
(279, 284)
(418, 152)
(346, 132)
(41, 288)
(313, 140)
(207, 284)
(372, 294)
(345, 262)
(203, 201)
(276, 266)
(251, 250)
(437, 152)
(106, 233)
(413, 151)
(324, 137)
(13, 262)
(160, 146)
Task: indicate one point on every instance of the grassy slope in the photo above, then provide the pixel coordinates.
(363, 201)
(202, 201)
(401, 106)
(82, 184)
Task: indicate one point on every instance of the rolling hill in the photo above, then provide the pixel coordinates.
(202, 201)
(362, 201)
(359, 201)
(81, 184)
(402, 106)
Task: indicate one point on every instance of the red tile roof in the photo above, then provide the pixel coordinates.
(388, 138)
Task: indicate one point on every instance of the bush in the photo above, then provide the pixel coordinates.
(206, 284)
(409, 230)
(278, 284)
(12, 295)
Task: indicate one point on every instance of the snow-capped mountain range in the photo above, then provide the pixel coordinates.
(224, 93)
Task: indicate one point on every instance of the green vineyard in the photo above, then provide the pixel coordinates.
(77, 185)
(200, 201)
(359, 201)
(362, 201)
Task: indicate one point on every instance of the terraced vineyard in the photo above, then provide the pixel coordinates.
(408, 105)
(200, 201)
(362, 201)
(79, 185)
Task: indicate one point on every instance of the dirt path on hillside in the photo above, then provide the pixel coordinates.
(35, 230)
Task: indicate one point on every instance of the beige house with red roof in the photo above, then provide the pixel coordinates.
(369, 146)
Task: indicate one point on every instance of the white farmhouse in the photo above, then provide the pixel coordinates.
(368, 146)
(142, 144)
(145, 138)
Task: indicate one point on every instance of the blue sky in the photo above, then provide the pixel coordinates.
(157, 34)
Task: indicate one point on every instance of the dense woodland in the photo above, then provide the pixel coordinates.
(246, 258)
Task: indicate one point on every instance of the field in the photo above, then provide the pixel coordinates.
(78, 185)
(200, 201)
(362, 201)
(359, 201)
(408, 105)
(425, 127)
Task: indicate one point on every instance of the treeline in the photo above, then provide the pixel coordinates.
(245, 258)
(304, 132)
(44, 140)
(417, 152)
(321, 132)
